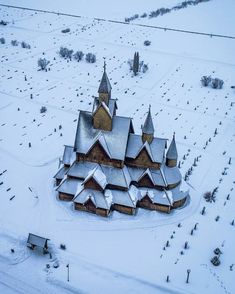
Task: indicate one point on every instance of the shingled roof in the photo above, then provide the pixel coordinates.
(116, 140)
(148, 124)
(105, 86)
(172, 151)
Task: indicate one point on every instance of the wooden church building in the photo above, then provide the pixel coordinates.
(110, 167)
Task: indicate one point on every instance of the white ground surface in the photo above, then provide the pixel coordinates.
(121, 254)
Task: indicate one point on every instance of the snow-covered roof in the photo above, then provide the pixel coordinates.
(61, 173)
(69, 186)
(148, 124)
(122, 198)
(116, 139)
(98, 198)
(80, 169)
(101, 139)
(157, 147)
(156, 196)
(172, 150)
(98, 175)
(69, 155)
(149, 174)
(172, 174)
(37, 240)
(181, 191)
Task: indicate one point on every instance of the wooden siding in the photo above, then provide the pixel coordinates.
(124, 209)
(171, 162)
(142, 160)
(102, 120)
(92, 184)
(146, 181)
(65, 196)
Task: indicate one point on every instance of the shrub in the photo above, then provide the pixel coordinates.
(2, 41)
(25, 45)
(78, 55)
(217, 83)
(90, 58)
(65, 52)
(14, 43)
(42, 63)
(43, 109)
(205, 80)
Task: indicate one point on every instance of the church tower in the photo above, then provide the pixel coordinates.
(102, 114)
(172, 154)
(147, 128)
(104, 88)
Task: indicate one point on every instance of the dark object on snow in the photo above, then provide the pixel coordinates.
(206, 80)
(12, 250)
(90, 58)
(3, 23)
(147, 43)
(56, 264)
(217, 251)
(43, 109)
(62, 246)
(37, 241)
(215, 261)
(209, 197)
(65, 30)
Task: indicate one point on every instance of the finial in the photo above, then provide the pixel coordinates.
(104, 65)
(174, 135)
(149, 107)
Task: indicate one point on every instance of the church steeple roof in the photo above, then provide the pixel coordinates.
(172, 150)
(148, 124)
(105, 86)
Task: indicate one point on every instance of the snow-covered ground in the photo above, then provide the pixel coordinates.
(122, 254)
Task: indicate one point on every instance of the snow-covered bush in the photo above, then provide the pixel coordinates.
(78, 55)
(25, 45)
(65, 52)
(205, 80)
(147, 43)
(43, 109)
(217, 83)
(90, 58)
(14, 43)
(2, 40)
(144, 68)
(42, 63)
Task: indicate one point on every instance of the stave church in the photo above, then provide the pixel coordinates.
(110, 167)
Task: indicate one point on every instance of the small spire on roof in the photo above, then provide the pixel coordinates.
(104, 65)
(105, 86)
(148, 124)
(172, 150)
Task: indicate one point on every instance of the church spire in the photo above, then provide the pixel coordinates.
(172, 154)
(105, 87)
(147, 128)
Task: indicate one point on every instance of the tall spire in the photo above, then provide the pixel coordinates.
(172, 154)
(148, 128)
(105, 87)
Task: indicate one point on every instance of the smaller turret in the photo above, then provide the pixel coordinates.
(147, 128)
(172, 155)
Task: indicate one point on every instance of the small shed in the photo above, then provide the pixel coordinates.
(37, 241)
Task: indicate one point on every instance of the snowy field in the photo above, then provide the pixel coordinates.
(121, 254)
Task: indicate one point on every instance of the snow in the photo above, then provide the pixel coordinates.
(122, 254)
